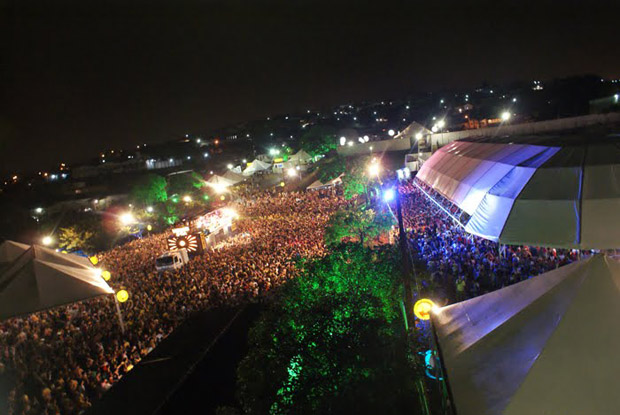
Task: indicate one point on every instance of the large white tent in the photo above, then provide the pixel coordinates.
(255, 167)
(40, 278)
(234, 176)
(547, 345)
(552, 191)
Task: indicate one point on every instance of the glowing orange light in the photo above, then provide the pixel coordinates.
(422, 308)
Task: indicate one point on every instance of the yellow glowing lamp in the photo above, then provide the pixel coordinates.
(122, 296)
(94, 260)
(106, 275)
(282, 184)
(422, 308)
(222, 197)
(149, 228)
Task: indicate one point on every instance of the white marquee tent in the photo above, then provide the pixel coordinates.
(547, 345)
(553, 191)
(255, 167)
(234, 176)
(41, 278)
(301, 157)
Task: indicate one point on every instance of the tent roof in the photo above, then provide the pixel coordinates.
(315, 185)
(41, 278)
(526, 194)
(256, 166)
(9, 251)
(216, 179)
(301, 155)
(544, 345)
(234, 177)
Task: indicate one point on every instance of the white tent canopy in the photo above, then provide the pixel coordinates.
(317, 184)
(255, 167)
(547, 345)
(301, 157)
(551, 191)
(41, 278)
(234, 177)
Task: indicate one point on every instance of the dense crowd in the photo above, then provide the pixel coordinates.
(59, 361)
(463, 265)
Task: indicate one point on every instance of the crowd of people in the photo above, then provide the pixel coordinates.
(60, 361)
(462, 265)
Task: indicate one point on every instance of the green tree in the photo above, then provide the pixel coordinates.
(333, 342)
(319, 140)
(331, 168)
(73, 238)
(357, 222)
(185, 183)
(149, 190)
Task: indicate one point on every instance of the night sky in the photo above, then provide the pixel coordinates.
(77, 77)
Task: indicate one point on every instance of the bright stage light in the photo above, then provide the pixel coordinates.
(149, 209)
(506, 116)
(391, 133)
(291, 172)
(229, 166)
(374, 168)
(418, 136)
(388, 195)
(127, 219)
(187, 198)
(47, 240)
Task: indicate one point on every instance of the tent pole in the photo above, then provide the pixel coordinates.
(120, 316)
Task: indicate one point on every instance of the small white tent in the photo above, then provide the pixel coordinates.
(255, 167)
(41, 278)
(547, 345)
(299, 158)
(316, 185)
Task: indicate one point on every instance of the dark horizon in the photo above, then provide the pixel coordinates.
(81, 78)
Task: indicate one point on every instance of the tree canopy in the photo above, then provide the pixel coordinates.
(333, 341)
(357, 222)
(73, 238)
(319, 140)
(150, 189)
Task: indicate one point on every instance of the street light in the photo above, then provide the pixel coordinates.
(229, 166)
(391, 133)
(149, 209)
(343, 141)
(47, 240)
(291, 172)
(39, 210)
(418, 136)
(506, 116)
(187, 198)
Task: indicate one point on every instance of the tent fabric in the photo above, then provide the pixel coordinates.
(9, 251)
(234, 177)
(41, 278)
(529, 194)
(301, 157)
(255, 167)
(544, 345)
(317, 184)
(219, 180)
